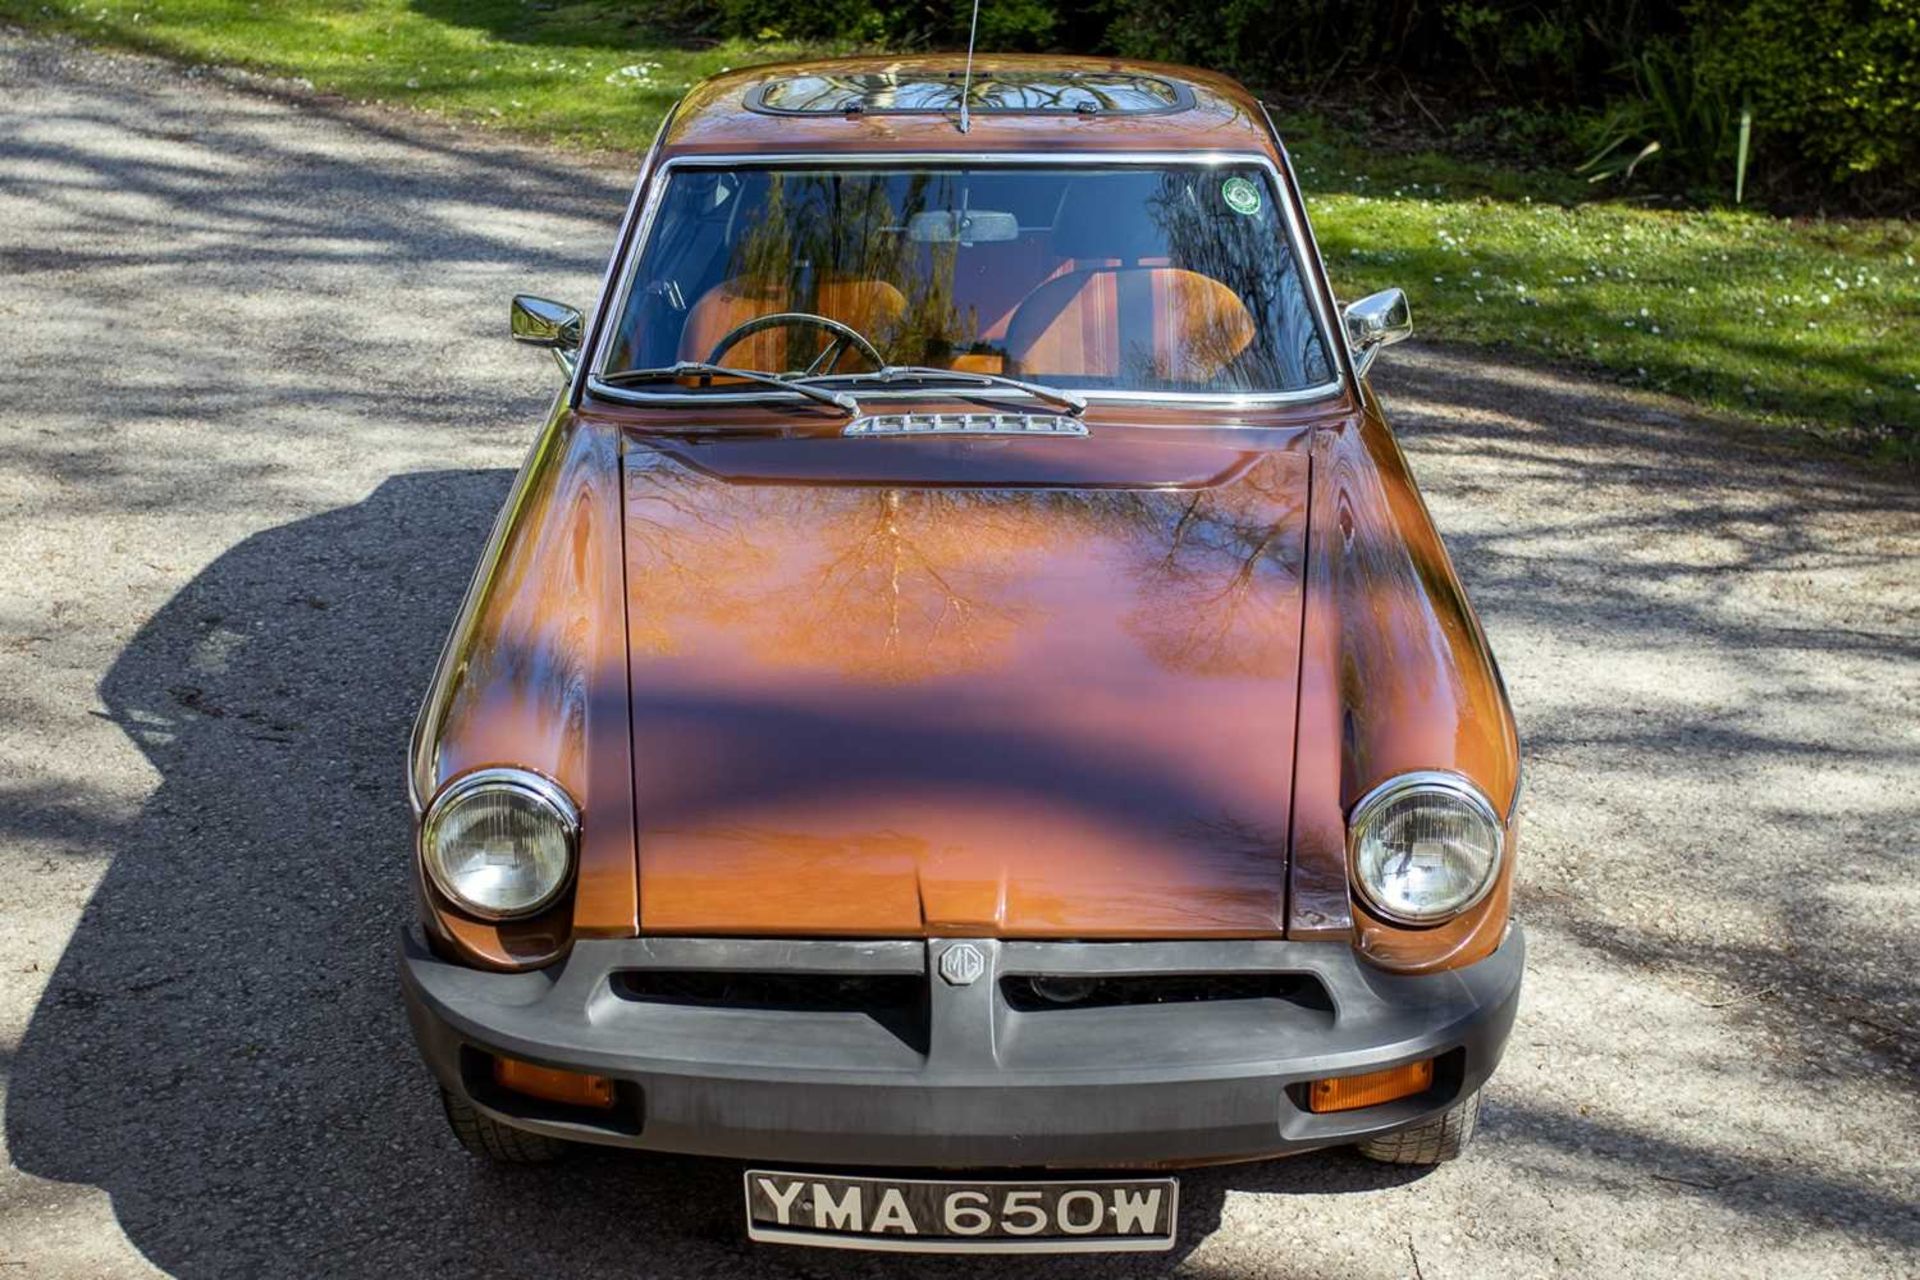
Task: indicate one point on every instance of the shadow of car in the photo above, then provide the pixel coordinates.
(221, 1047)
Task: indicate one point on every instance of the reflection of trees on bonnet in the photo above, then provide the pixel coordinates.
(682, 551)
(891, 583)
(914, 583)
(1214, 574)
(910, 583)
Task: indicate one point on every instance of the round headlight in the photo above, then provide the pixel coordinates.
(499, 842)
(1424, 846)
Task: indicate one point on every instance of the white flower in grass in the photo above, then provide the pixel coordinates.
(637, 76)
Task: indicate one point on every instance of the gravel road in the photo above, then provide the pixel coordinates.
(259, 412)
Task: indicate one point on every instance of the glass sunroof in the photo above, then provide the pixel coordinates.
(1006, 92)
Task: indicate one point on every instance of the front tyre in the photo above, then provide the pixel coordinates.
(1435, 1141)
(487, 1138)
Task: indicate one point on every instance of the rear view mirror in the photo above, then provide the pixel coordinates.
(965, 226)
(1375, 321)
(539, 322)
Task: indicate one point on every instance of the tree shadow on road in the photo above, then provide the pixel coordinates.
(222, 1047)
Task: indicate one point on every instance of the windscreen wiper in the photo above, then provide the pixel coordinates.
(1072, 402)
(701, 369)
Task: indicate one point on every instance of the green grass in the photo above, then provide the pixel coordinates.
(1807, 324)
(1812, 324)
(585, 75)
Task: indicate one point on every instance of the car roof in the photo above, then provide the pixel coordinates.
(1019, 103)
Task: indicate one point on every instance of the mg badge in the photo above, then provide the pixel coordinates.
(961, 963)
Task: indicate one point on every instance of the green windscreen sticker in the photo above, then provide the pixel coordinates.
(1241, 196)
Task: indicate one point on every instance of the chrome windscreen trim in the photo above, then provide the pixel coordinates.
(1224, 401)
(615, 304)
(611, 279)
(1326, 303)
(965, 424)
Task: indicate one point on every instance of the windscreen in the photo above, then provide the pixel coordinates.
(1125, 278)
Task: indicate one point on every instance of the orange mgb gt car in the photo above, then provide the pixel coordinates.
(965, 711)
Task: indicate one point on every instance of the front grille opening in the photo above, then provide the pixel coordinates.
(1041, 993)
(897, 1001)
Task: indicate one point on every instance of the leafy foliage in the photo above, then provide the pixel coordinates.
(1835, 82)
(1833, 85)
(1677, 117)
(1004, 24)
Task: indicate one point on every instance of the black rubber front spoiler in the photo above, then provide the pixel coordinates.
(986, 1079)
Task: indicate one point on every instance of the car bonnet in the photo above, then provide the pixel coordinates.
(914, 686)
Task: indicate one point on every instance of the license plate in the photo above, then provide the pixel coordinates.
(938, 1216)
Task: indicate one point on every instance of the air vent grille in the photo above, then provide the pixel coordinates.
(966, 424)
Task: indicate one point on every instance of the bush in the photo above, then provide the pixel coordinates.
(1004, 24)
(1676, 119)
(1521, 50)
(1834, 82)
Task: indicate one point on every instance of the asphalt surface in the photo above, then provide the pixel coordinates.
(259, 410)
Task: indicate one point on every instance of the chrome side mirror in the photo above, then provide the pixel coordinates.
(539, 322)
(1375, 321)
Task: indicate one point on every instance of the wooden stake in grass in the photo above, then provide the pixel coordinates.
(1740, 156)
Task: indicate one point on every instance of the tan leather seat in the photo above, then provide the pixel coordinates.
(1186, 327)
(873, 307)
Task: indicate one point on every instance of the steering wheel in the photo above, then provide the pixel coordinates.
(844, 336)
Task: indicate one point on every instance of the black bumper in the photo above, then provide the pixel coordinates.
(970, 1074)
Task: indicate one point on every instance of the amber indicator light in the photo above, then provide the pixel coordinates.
(1344, 1093)
(569, 1087)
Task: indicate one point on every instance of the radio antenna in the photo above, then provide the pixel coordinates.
(966, 86)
